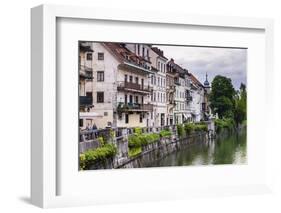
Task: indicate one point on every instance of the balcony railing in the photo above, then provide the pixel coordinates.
(86, 72)
(177, 83)
(172, 102)
(86, 100)
(122, 107)
(188, 98)
(130, 86)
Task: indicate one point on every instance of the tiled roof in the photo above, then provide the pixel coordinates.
(177, 68)
(195, 80)
(124, 54)
(159, 52)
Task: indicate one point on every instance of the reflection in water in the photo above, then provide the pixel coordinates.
(229, 149)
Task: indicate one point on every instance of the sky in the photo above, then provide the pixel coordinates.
(228, 62)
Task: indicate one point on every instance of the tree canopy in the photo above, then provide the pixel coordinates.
(227, 102)
(222, 96)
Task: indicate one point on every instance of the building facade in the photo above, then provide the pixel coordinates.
(134, 85)
(158, 83)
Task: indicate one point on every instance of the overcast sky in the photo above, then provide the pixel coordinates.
(228, 62)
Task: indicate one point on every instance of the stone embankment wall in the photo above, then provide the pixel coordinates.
(150, 153)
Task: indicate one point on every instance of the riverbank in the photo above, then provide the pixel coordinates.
(142, 147)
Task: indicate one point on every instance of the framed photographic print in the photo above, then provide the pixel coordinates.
(130, 106)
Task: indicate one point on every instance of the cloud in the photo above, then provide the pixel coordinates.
(228, 62)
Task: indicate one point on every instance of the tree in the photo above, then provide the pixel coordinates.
(240, 110)
(222, 97)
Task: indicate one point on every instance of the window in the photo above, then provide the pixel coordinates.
(126, 99)
(89, 56)
(137, 80)
(131, 79)
(105, 113)
(158, 65)
(126, 78)
(152, 79)
(80, 122)
(158, 81)
(100, 75)
(100, 97)
(141, 118)
(100, 56)
(131, 99)
(126, 118)
(119, 116)
(143, 50)
(137, 99)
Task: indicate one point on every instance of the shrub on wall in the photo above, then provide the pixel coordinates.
(138, 140)
(165, 133)
(225, 123)
(200, 127)
(180, 130)
(93, 156)
(188, 128)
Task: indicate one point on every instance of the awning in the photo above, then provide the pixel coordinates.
(89, 115)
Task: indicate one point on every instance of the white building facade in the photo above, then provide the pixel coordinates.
(134, 85)
(158, 83)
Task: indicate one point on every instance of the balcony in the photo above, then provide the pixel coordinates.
(188, 98)
(86, 100)
(134, 107)
(172, 102)
(177, 83)
(85, 72)
(133, 87)
(171, 88)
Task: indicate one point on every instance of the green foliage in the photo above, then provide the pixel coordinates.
(138, 140)
(134, 151)
(240, 110)
(152, 137)
(134, 141)
(222, 96)
(112, 134)
(137, 130)
(93, 156)
(190, 127)
(101, 141)
(225, 123)
(180, 130)
(200, 127)
(165, 133)
(227, 102)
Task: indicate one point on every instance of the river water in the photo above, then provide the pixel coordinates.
(227, 149)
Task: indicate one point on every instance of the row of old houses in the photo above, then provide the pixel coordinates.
(135, 85)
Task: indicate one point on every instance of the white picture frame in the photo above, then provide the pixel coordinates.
(44, 173)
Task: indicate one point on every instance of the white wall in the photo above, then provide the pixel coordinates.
(15, 176)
